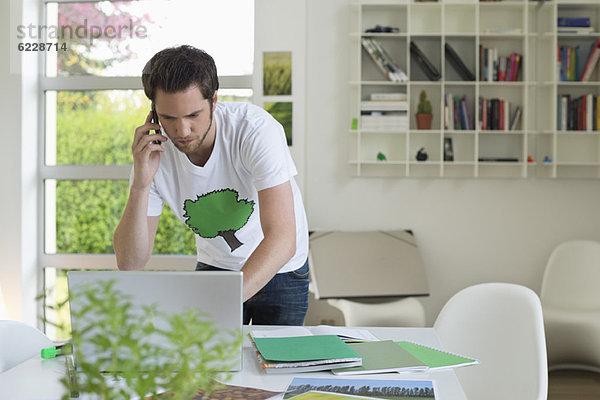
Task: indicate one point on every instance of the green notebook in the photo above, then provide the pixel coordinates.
(380, 357)
(304, 348)
(434, 358)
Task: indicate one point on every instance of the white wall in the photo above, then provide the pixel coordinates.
(280, 26)
(468, 230)
(11, 198)
(18, 138)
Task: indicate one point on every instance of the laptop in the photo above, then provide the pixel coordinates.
(218, 294)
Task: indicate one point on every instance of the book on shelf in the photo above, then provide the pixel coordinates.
(384, 122)
(385, 111)
(574, 21)
(515, 68)
(515, 119)
(392, 96)
(382, 59)
(570, 63)
(304, 353)
(575, 30)
(497, 68)
(458, 64)
(481, 63)
(380, 357)
(496, 114)
(591, 61)
(574, 25)
(502, 65)
(384, 105)
(581, 113)
(423, 62)
(463, 113)
(448, 120)
(457, 114)
(503, 31)
(501, 112)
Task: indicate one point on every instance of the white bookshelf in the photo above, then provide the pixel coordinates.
(526, 27)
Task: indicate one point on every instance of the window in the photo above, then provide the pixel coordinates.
(92, 102)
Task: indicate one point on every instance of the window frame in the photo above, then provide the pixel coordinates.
(93, 172)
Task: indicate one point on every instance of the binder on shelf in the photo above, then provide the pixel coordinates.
(458, 63)
(432, 73)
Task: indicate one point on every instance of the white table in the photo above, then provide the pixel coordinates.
(39, 379)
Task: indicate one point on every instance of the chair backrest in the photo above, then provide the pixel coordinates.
(572, 275)
(501, 325)
(19, 342)
(408, 312)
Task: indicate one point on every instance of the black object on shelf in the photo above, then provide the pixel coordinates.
(432, 73)
(383, 29)
(448, 149)
(458, 64)
(498, 159)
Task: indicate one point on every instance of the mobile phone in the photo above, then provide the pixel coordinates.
(155, 121)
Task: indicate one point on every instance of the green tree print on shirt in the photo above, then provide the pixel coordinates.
(218, 213)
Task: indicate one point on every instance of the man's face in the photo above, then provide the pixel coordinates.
(187, 118)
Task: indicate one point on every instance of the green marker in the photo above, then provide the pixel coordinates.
(54, 351)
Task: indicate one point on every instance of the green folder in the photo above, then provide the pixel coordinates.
(380, 357)
(434, 358)
(304, 348)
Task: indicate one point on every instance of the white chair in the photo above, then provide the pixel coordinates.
(19, 342)
(571, 302)
(402, 312)
(501, 325)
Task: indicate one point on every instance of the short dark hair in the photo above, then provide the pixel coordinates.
(175, 69)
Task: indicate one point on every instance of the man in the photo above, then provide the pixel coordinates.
(225, 170)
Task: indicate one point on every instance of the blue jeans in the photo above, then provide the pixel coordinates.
(282, 301)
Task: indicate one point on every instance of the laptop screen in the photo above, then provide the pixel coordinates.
(215, 294)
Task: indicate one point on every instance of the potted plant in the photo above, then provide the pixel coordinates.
(424, 115)
(178, 363)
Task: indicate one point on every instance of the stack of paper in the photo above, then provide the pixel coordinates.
(346, 334)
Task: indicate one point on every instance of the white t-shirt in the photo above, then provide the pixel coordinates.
(219, 201)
